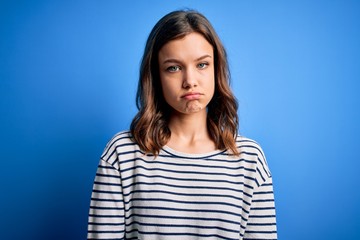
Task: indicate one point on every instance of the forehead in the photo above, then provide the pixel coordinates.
(191, 46)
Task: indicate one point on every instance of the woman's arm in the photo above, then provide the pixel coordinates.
(106, 215)
(262, 219)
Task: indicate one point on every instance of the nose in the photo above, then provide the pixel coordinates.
(189, 79)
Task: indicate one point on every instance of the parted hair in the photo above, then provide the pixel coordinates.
(149, 128)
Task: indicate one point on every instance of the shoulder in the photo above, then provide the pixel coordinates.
(120, 138)
(248, 145)
(251, 150)
(121, 143)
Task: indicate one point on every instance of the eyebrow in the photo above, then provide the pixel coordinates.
(172, 60)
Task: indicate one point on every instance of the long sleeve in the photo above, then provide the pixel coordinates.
(106, 215)
(262, 219)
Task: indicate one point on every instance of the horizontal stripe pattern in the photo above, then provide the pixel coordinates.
(181, 196)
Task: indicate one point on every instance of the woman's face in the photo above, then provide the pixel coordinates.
(187, 74)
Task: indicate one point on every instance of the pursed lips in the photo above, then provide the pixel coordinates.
(191, 96)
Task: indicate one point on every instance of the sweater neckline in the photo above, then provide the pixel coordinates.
(176, 153)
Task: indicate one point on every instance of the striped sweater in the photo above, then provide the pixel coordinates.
(181, 196)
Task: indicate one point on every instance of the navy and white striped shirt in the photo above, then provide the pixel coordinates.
(181, 196)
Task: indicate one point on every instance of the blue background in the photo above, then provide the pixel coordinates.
(68, 76)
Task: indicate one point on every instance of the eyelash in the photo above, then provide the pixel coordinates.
(203, 63)
(171, 68)
(177, 68)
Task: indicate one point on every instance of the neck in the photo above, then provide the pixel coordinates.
(189, 133)
(189, 125)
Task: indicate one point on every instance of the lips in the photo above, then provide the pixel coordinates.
(191, 96)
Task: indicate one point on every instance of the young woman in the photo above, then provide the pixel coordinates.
(183, 172)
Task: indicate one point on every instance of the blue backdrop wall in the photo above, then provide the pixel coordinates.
(68, 75)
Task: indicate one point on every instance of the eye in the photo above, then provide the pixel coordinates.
(202, 65)
(173, 69)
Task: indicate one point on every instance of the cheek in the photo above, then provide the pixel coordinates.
(163, 83)
(171, 82)
(168, 88)
(211, 79)
(211, 85)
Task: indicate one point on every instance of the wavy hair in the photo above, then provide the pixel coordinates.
(149, 128)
